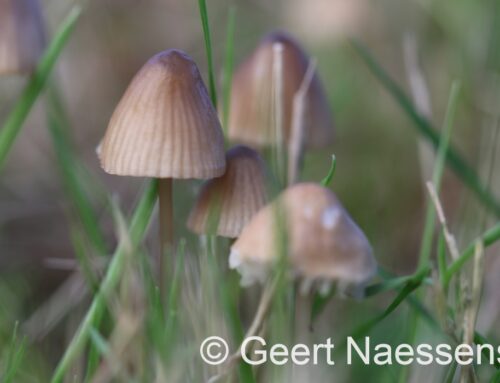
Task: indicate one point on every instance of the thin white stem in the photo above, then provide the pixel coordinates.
(278, 86)
(450, 239)
(296, 143)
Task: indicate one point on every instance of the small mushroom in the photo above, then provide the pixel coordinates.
(252, 115)
(324, 245)
(22, 37)
(165, 127)
(226, 204)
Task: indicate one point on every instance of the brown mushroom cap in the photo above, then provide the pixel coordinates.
(251, 115)
(322, 240)
(165, 125)
(232, 199)
(22, 37)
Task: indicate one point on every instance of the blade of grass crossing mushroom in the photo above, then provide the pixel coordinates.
(138, 226)
(296, 140)
(227, 74)
(18, 115)
(468, 176)
(208, 47)
(279, 155)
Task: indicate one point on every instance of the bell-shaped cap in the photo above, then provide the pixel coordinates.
(22, 37)
(322, 241)
(252, 109)
(226, 204)
(165, 125)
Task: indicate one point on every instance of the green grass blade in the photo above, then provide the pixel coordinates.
(455, 160)
(70, 174)
(403, 294)
(430, 216)
(387, 285)
(480, 340)
(14, 358)
(411, 285)
(227, 75)
(488, 238)
(139, 224)
(208, 47)
(331, 172)
(443, 148)
(175, 286)
(18, 115)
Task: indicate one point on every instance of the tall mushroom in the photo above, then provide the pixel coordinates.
(22, 37)
(252, 110)
(226, 204)
(165, 127)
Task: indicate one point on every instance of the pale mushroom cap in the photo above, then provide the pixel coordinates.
(165, 125)
(22, 37)
(251, 115)
(322, 240)
(234, 198)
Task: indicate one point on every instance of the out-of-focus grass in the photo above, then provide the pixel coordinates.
(467, 174)
(204, 296)
(16, 118)
(139, 224)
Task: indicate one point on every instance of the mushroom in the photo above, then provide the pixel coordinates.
(252, 115)
(226, 204)
(165, 127)
(22, 37)
(324, 245)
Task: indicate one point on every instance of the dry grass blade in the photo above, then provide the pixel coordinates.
(471, 299)
(296, 144)
(450, 239)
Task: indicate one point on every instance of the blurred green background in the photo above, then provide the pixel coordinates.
(382, 162)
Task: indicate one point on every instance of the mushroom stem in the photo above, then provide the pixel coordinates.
(165, 186)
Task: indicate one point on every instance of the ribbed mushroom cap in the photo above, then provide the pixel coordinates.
(322, 240)
(165, 125)
(232, 199)
(251, 115)
(22, 37)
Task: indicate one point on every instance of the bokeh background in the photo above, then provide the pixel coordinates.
(382, 162)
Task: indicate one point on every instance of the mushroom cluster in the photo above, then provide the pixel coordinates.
(165, 127)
